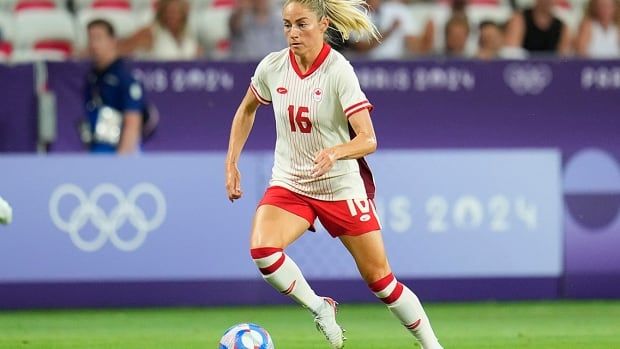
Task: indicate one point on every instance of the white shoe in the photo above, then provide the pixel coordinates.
(325, 320)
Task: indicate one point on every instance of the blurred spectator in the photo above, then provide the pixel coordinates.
(538, 30)
(115, 107)
(598, 33)
(168, 38)
(490, 40)
(256, 29)
(397, 32)
(456, 34)
(433, 40)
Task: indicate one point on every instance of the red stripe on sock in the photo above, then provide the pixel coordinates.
(380, 285)
(290, 288)
(393, 297)
(275, 266)
(414, 325)
(263, 252)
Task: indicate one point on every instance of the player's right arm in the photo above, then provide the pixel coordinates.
(239, 132)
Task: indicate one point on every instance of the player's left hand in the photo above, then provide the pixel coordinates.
(324, 161)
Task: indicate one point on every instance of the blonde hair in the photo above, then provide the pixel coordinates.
(345, 16)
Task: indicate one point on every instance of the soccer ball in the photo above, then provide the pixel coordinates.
(246, 336)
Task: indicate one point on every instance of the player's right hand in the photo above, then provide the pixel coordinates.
(233, 182)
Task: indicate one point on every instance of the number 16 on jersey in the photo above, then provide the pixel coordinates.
(299, 119)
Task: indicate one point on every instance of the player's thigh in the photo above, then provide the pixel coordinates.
(276, 227)
(369, 254)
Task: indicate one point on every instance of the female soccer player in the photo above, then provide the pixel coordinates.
(323, 132)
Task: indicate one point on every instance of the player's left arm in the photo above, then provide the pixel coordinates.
(362, 144)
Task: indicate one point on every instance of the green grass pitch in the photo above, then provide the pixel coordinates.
(546, 325)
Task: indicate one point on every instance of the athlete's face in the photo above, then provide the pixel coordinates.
(303, 30)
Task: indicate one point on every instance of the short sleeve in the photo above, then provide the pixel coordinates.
(259, 85)
(350, 93)
(133, 96)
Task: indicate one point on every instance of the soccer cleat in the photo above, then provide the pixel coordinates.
(325, 320)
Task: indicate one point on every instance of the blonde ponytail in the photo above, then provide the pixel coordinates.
(346, 16)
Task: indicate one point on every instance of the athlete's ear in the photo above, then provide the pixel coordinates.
(324, 24)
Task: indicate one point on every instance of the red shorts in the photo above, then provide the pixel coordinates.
(346, 217)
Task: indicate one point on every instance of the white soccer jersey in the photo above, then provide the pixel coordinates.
(311, 112)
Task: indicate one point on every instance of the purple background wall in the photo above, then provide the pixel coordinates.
(18, 114)
(568, 105)
(564, 104)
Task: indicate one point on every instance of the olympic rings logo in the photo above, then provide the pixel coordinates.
(126, 210)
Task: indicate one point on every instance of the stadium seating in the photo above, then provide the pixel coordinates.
(211, 26)
(42, 30)
(5, 51)
(14, 5)
(144, 11)
(6, 26)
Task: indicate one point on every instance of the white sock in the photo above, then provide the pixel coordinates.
(281, 272)
(406, 306)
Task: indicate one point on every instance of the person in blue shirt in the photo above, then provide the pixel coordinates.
(115, 104)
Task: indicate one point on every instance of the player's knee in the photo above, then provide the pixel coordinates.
(376, 273)
(268, 259)
(260, 239)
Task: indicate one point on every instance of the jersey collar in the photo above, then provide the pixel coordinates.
(315, 65)
(110, 68)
